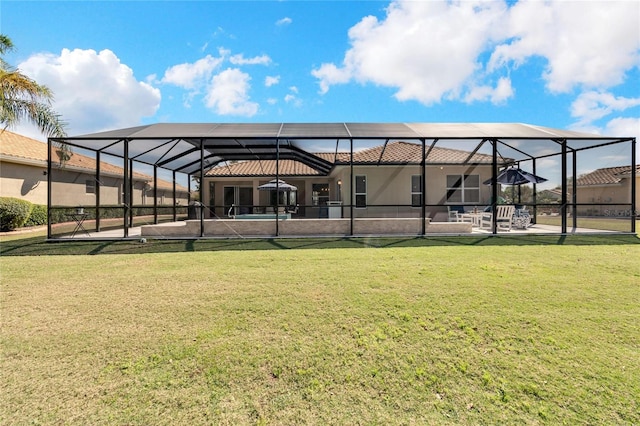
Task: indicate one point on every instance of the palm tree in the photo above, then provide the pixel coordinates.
(21, 98)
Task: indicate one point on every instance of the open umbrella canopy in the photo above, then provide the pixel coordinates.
(277, 185)
(516, 176)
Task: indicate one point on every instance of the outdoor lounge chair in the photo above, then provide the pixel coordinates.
(504, 217)
(455, 213)
(521, 218)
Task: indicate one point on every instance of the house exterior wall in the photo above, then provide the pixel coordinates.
(69, 187)
(607, 195)
(23, 181)
(388, 190)
(387, 185)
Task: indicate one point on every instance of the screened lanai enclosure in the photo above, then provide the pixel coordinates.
(223, 180)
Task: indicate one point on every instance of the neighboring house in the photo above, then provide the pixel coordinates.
(23, 174)
(609, 189)
(388, 182)
(550, 195)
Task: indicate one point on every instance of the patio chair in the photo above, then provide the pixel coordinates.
(455, 213)
(504, 217)
(521, 218)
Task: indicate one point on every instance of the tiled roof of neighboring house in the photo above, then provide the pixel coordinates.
(393, 153)
(552, 192)
(22, 149)
(607, 176)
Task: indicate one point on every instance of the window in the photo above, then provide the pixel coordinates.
(319, 194)
(416, 191)
(361, 191)
(463, 189)
(90, 186)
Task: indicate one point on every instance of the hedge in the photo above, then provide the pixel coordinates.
(14, 212)
(38, 216)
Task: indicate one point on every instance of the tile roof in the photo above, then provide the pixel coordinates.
(607, 176)
(406, 152)
(263, 168)
(23, 149)
(398, 152)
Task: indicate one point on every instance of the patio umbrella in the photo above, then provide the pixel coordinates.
(278, 185)
(516, 176)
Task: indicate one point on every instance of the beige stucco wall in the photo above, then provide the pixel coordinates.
(392, 185)
(24, 182)
(606, 194)
(386, 185)
(28, 182)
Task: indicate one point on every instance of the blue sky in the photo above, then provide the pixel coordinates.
(112, 64)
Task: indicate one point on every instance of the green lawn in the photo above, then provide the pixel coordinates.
(544, 330)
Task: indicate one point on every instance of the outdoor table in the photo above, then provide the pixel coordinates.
(79, 219)
(476, 217)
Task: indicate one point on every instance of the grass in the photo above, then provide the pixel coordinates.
(603, 223)
(356, 331)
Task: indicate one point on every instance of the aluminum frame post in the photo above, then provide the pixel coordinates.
(423, 184)
(201, 186)
(351, 187)
(634, 201)
(563, 205)
(49, 186)
(98, 186)
(494, 187)
(125, 188)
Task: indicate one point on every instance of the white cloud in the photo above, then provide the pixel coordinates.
(624, 127)
(432, 50)
(329, 75)
(587, 43)
(427, 50)
(591, 106)
(228, 94)
(271, 80)
(272, 101)
(284, 21)
(292, 98)
(498, 95)
(93, 90)
(191, 75)
(239, 59)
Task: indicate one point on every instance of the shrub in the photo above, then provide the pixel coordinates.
(38, 216)
(13, 213)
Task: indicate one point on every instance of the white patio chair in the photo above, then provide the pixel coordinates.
(456, 214)
(504, 217)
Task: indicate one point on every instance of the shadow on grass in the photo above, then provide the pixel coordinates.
(38, 246)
